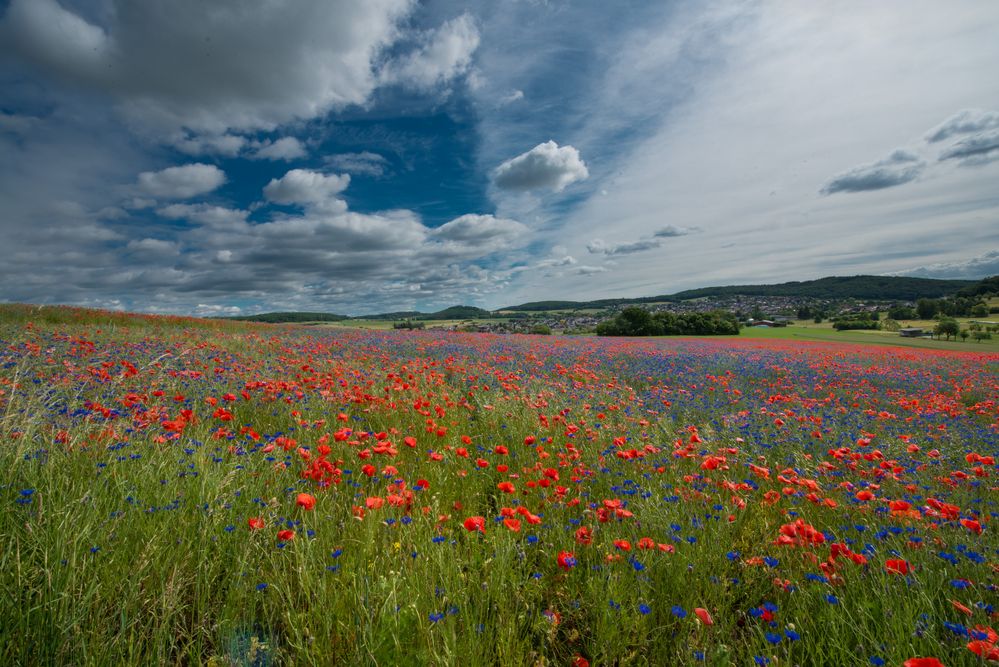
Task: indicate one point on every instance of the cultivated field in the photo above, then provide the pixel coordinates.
(190, 492)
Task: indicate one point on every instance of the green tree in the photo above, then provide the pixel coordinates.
(901, 313)
(964, 334)
(927, 308)
(947, 327)
(980, 310)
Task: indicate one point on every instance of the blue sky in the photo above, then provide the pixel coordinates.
(241, 156)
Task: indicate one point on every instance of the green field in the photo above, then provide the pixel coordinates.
(822, 332)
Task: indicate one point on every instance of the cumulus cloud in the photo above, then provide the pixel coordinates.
(966, 121)
(364, 163)
(181, 182)
(478, 229)
(303, 186)
(898, 168)
(546, 166)
(442, 55)
(285, 148)
(227, 145)
(255, 65)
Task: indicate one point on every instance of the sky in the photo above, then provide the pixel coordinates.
(242, 156)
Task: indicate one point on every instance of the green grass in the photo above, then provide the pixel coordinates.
(819, 332)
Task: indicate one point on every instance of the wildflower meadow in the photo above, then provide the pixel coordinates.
(179, 491)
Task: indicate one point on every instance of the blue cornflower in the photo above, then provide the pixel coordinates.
(679, 611)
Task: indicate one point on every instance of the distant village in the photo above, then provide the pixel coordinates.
(751, 311)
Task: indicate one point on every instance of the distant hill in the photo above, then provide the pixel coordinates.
(295, 316)
(452, 313)
(882, 288)
(985, 286)
(888, 288)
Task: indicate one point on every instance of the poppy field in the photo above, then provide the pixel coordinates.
(194, 492)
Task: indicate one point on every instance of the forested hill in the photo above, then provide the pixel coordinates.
(894, 288)
(452, 313)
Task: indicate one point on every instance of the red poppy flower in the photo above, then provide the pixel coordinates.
(704, 616)
(922, 662)
(305, 501)
(475, 523)
(961, 608)
(897, 566)
(984, 649)
(972, 525)
(255, 523)
(286, 535)
(512, 524)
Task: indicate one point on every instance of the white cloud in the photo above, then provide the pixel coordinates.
(216, 310)
(598, 247)
(966, 121)
(285, 148)
(443, 54)
(363, 163)
(156, 247)
(672, 231)
(974, 150)
(228, 145)
(512, 97)
(976, 268)
(251, 65)
(746, 167)
(204, 214)
(898, 168)
(302, 186)
(181, 182)
(586, 270)
(545, 166)
(476, 229)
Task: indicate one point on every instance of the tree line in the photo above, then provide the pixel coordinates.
(635, 321)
